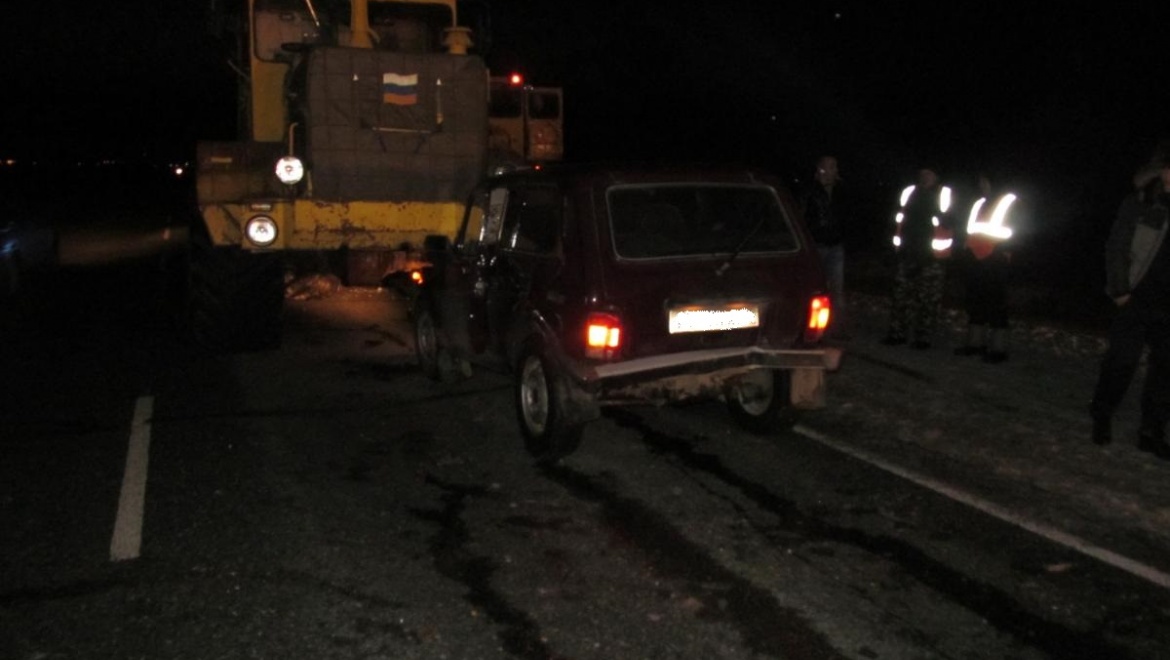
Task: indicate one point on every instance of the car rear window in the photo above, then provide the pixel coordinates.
(683, 220)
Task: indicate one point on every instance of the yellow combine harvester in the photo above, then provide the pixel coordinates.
(366, 127)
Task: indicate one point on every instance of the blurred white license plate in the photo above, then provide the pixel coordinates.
(694, 319)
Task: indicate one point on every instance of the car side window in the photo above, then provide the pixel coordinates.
(484, 218)
(533, 220)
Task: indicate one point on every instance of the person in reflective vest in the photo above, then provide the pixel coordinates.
(984, 262)
(923, 238)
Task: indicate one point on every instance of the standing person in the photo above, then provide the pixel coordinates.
(984, 263)
(923, 239)
(1137, 262)
(823, 215)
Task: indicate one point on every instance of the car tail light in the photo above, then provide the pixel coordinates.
(819, 311)
(603, 336)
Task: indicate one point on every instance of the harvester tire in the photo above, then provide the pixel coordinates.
(234, 298)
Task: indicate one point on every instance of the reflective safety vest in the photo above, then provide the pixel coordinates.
(987, 224)
(944, 238)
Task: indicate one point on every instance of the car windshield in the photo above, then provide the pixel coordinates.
(681, 220)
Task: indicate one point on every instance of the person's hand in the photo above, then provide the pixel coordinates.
(1120, 301)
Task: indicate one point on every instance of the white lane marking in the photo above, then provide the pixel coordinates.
(1131, 566)
(127, 540)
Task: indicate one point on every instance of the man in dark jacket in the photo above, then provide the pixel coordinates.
(823, 215)
(1137, 259)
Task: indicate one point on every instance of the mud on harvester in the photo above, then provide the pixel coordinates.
(364, 127)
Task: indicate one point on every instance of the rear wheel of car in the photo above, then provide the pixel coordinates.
(540, 393)
(759, 402)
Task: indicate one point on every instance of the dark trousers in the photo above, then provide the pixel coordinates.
(1135, 327)
(918, 291)
(985, 296)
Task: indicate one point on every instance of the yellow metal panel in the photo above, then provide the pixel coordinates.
(268, 102)
(309, 225)
(223, 223)
(370, 224)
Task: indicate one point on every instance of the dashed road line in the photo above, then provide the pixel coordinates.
(127, 540)
(1131, 566)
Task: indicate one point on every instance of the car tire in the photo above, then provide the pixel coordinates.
(540, 394)
(426, 341)
(758, 402)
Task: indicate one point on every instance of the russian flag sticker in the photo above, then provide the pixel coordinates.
(398, 89)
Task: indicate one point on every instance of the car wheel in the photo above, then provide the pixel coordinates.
(759, 402)
(540, 393)
(426, 341)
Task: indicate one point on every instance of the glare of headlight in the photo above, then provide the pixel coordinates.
(261, 231)
(290, 170)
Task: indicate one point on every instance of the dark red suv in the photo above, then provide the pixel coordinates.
(606, 286)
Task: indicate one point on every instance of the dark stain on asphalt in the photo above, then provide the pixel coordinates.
(519, 633)
(997, 607)
(765, 626)
(78, 589)
(892, 366)
(380, 369)
(529, 522)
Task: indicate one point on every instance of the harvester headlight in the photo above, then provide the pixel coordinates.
(261, 231)
(290, 170)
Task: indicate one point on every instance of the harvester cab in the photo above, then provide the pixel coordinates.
(526, 124)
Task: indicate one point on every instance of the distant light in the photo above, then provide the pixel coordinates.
(516, 79)
(178, 171)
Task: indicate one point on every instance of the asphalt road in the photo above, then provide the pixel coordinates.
(325, 500)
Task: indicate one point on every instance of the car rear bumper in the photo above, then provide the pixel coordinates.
(693, 374)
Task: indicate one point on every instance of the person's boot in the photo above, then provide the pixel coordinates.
(975, 343)
(996, 347)
(1102, 426)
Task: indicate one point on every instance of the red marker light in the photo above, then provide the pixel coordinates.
(516, 79)
(603, 336)
(819, 311)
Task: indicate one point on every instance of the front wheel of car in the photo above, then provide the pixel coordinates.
(759, 402)
(540, 396)
(426, 341)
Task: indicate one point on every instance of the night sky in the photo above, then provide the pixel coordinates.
(1061, 100)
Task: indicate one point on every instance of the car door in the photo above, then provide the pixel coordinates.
(528, 260)
(461, 293)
